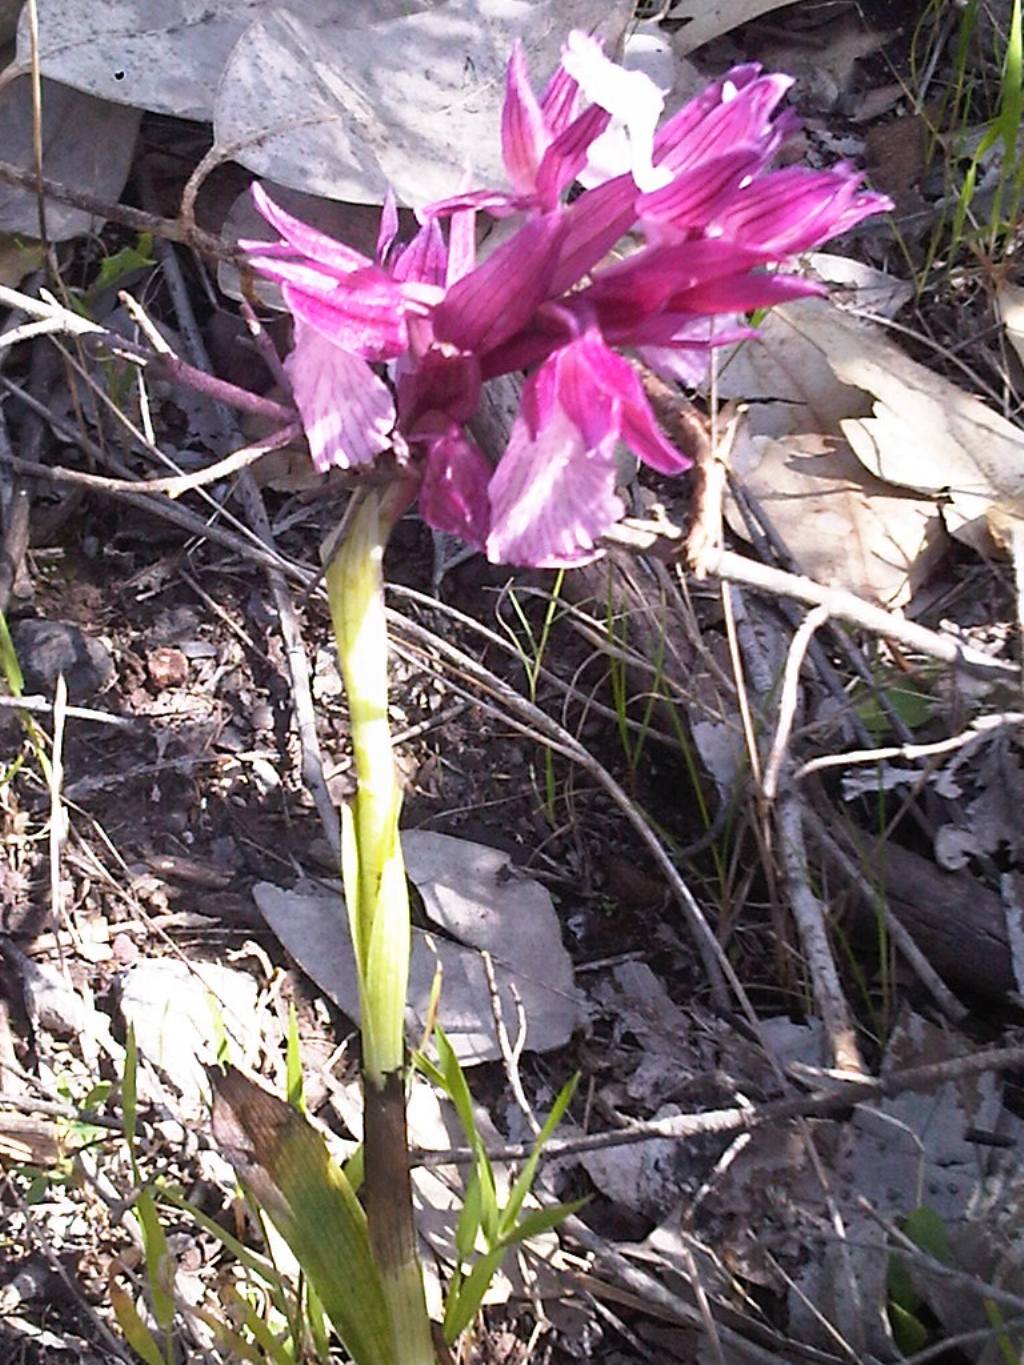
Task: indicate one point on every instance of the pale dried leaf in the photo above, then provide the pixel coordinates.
(175, 1010)
(413, 102)
(1010, 302)
(166, 58)
(473, 894)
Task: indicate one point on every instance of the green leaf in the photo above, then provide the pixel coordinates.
(540, 1220)
(159, 1261)
(526, 1177)
(288, 1170)
(910, 1332)
(468, 1226)
(113, 269)
(293, 1064)
(317, 1319)
(129, 1096)
(453, 1079)
(9, 665)
(926, 1229)
(462, 1308)
(136, 1333)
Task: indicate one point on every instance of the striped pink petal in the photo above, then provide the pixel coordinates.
(346, 410)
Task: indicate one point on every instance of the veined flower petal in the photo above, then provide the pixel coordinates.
(303, 239)
(498, 298)
(461, 244)
(523, 134)
(551, 495)
(794, 209)
(560, 101)
(592, 226)
(425, 259)
(741, 115)
(567, 155)
(453, 494)
(692, 198)
(367, 322)
(589, 368)
(346, 410)
(743, 293)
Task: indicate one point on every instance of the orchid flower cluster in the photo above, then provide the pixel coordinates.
(393, 353)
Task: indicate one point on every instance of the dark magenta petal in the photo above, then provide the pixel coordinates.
(438, 383)
(425, 259)
(792, 210)
(523, 133)
(567, 155)
(454, 494)
(499, 297)
(593, 224)
(744, 293)
(693, 197)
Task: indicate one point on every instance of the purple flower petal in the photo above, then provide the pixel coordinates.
(523, 134)
(552, 495)
(592, 225)
(744, 293)
(346, 410)
(624, 294)
(387, 229)
(560, 101)
(741, 116)
(303, 239)
(461, 244)
(453, 494)
(567, 155)
(498, 298)
(694, 196)
(368, 321)
(438, 383)
(591, 376)
(425, 259)
(794, 209)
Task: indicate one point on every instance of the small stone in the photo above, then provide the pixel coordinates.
(167, 667)
(46, 649)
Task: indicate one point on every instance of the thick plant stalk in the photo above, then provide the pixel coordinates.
(378, 907)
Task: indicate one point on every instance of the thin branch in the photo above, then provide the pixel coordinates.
(664, 538)
(809, 914)
(746, 1118)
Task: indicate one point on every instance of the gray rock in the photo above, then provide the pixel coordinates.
(46, 649)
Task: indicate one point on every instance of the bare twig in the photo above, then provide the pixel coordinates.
(980, 727)
(788, 699)
(809, 914)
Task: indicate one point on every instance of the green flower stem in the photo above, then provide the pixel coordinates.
(378, 907)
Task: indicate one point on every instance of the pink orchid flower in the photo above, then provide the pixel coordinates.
(707, 222)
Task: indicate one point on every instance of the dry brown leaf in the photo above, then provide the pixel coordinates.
(841, 526)
(707, 19)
